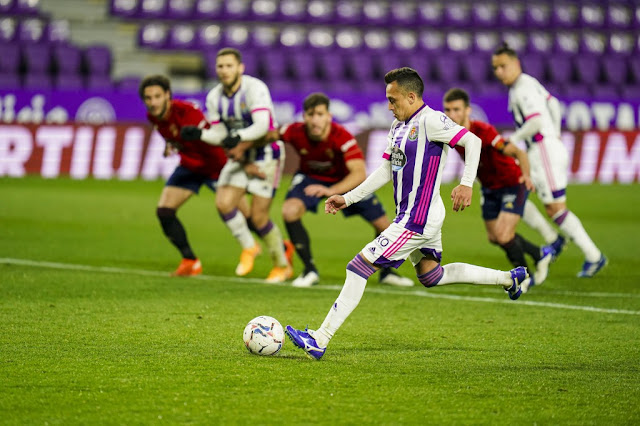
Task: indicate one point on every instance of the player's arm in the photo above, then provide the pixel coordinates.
(461, 194)
(371, 184)
(239, 141)
(357, 174)
(512, 150)
(531, 105)
(212, 131)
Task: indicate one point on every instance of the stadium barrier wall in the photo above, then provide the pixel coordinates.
(132, 151)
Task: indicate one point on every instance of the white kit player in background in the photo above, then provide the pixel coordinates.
(417, 149)
(537, 115)
(241, 113)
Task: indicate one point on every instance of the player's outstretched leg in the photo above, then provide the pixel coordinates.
(391, 277)
(464, 273)
(306, 341)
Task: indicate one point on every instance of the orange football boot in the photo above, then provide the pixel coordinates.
(247, 257)
(188, 268)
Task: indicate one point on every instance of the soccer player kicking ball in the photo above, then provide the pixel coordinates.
(505, 189)
(537, 116)
(418, 143)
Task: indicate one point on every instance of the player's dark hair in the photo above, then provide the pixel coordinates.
(456, 94)
(408, 79)
(315, 99)
(505, 49)
(230, 51)
(154, 80)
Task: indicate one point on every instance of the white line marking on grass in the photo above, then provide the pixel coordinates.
(430, 294)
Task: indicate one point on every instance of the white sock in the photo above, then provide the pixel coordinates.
(237, 224)
(538, 222)
(571, 225)
(464, 273)
(346, 302)
(273, 241)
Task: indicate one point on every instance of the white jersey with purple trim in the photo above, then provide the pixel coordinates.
(417, 150)
(235, 111)
(527, 99)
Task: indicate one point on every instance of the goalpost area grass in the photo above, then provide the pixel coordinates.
(95, 331)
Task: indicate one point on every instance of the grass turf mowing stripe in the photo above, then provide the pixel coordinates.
(439, 295)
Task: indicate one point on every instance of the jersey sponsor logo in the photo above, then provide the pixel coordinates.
(398, 159)
(446, 122)
(413, 134)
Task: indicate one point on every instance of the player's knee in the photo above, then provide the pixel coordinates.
(504, 236)
(291, 212)
(432, 278)
(224, 206)
(165, 212)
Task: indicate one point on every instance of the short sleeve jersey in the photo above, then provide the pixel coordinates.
(527, 99)
(325, 160)
(417, 150)
(235, 111)
(495, 170)
(197, 156)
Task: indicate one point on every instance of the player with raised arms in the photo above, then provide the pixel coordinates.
(418, 143)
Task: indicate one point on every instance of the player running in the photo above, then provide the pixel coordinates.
(537, 116)
(418, 143)
(241, 113)
(505, 188)
(331, 162)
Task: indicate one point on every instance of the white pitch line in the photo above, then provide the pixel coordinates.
(419, 293)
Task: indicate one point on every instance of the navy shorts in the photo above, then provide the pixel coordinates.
(185, 178)
(510, 199)
(370, 208)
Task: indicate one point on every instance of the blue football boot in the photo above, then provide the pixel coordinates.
(305, 341)
(518, 275)
(558, 246)
(589, 269)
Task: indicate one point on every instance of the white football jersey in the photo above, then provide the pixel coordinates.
(235, 111)
(528, 98)
(417, 150)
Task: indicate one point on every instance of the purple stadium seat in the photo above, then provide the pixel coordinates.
(27, 7)
(332, 66)
(476, 69)
(97, 59)
(208, 9)
(181, 37)
(517, 40)
(592, 15)
(8, 29)
(404, 41)
(634, 67)
(283, 86)
(377, 40)
(69, 82)
(180, 9)
(265, 10)
(533, 64)
(265, 37)
(349, 39)
(302, 65)
(251, 62)
(420, 63)
(493, 88)
(559, 69)
(348, 12)
(236, 35)
(99, 83)
(32, 30)
(537, 14)
(619, 16)
(320, 11)
(433, 93)
(58, 31)
(573, 90)
(566, 43)
(484, 14)
(237, 10)
(67, 59)
(274, 64)
(125, 8)
(128, 84)
(460, 42)
(209, 37)
(539, 42)
(293, 37)
(153, 35)
(9, 58)
(512, 15)
(6, 6)
(388, 62)
(430, 14)
(485, 42)
(432, 41)
(36, 57)
(621, 42)
(631, 93)
(37, 81)
(606, 92)
(615, 69)
(445, 68)
(376, 12)
(593, 43)
(293, 10)
(565, 14)
(321, 38)
(153, 8)
(371, 87)
(9, 81)
(360, 66)
(587, 69)
(457, 14)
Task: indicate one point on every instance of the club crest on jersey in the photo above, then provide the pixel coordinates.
(398, 159)
(413, 134)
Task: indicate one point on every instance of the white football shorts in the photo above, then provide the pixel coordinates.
(233, 174)
(549, 163)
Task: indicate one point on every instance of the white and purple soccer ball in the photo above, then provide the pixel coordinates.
(263, 336)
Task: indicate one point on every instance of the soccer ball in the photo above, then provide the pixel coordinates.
(263, 336)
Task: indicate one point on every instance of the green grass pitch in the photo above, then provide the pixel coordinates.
(94, 331)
